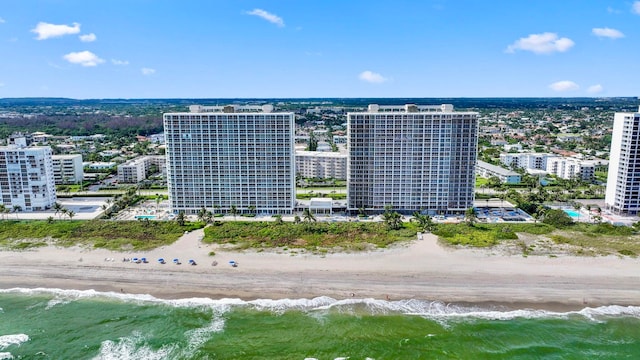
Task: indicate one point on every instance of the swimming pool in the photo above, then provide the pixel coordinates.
(150, 217)
(572, 213)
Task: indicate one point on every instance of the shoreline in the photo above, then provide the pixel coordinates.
(421, 270)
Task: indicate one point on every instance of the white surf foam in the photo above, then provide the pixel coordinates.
(430, 309)
(15, 339)
(6, 356)
(130, 348)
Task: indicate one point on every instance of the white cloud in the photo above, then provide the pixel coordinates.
(564, 85)
(635, 8)
(595, 89)
(370, 76)
(46, 30)
(148, 71)
(87, 37)
(272, 18)
(544, 43)
(607, 32)
(84, 58)
(119, 62)
(2, 21)
(611, 10)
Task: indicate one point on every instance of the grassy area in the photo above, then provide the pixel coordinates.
(120, 235)
(315, 237)
(480, 181)
(486, 235)
(599, 239)
(578, 239)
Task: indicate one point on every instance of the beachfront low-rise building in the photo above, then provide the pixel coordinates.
(571, 168)
(138, 169)
(411, 158)
(322, 165)
(536, 161)
(506, 176)
(231, 158)
(26, 178)
(67, 169)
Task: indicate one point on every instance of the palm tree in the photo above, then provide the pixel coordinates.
(425, 223)
(16, 208)
(392, 218)
(64, 212)
(50, 220)
(202, 213)
(234, 211)
(2, 208)
(278, 219)
(57, 207)
(158, 201)
(71, 214)
(471, 216)
(296, 219)
(308, 215)
(180, 218)
(252, 208)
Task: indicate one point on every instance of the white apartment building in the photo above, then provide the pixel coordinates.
(412, 158)
(136, 170)
(26, 178)
(534, 161)
(67, 169)
(623, 180)
(323, 165)
(571, 168)
(486, 170)
(219, 157)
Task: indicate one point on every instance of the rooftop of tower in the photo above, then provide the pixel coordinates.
(267, 108)
(410, 108)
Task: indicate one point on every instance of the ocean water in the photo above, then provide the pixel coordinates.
(67, 324)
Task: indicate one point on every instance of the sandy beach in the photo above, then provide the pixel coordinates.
(421, 270)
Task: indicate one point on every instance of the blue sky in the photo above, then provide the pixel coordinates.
(322, 48)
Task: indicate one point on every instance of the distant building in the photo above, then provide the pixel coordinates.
(570, 168)
(138, 169)
(26, 178)
(323, 165)
(99, 165)
(20, 139)
(227, 157)
(623, 180)
(411, 158)
(67, 169)
(536, 161)
(486, 170)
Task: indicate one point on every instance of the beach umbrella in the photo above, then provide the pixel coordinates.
(144, 260)
(233, 263)
(161, 260)
(192, 262)
(176, 260)
(135, 259)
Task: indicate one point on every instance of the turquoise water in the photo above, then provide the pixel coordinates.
(573, 214)
(57, 324)
(150, 217)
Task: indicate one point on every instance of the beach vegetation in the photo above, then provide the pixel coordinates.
(313, 236)
(557, 218)
(121, 235)
(391, 218)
